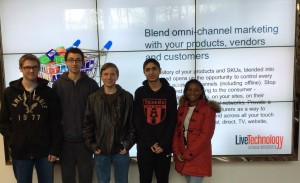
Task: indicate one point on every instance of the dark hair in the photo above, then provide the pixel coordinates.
(107, 65)
(196, 82)
(154, 61)
(75, 50)
(30, 57)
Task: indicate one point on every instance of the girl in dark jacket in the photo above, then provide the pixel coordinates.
(194, 131)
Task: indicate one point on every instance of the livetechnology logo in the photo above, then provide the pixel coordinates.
(260, 141)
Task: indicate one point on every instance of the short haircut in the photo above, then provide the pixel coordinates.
(75, 50)
(30, 57)
(151, 60)
(107, 65)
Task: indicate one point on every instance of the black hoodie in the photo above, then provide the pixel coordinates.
(73, 99)
(29, 121)
(155, 115)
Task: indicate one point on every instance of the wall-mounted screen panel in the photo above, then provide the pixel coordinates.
(242, 51)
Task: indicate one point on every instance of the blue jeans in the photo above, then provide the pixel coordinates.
(23, 170)
(121, 167)
(193, 179)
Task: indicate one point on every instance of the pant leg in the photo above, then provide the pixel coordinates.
(193, 179)
(23, 170)
(84, 163)
(44, 170)
(162, 167)
(68, 163)
(121, 164)
(145, 164)
(103, 166)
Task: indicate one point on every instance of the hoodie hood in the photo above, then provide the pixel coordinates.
(163, 81)
(211, 103)
(18, 83)
(66, 77)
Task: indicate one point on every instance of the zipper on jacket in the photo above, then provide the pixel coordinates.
(30, 124)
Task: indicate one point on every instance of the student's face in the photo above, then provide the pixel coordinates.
(30, 70)
(194, 93)
(152, 72)
(109, 77)
(74, 62)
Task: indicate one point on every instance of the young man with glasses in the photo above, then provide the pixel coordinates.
(73, 89)
(155, 118)
(30, 123)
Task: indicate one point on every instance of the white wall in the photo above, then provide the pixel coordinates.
(232, 172)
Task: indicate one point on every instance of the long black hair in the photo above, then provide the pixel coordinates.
(196, 82)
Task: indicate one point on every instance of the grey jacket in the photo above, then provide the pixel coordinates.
(73, 100)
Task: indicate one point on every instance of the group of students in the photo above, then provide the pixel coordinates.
(84, 125)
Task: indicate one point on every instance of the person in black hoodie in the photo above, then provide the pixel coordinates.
(155, 108)
(29, 122)
(73, 89)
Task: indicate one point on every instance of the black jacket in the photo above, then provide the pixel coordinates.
(73, 100)
(109, 127)
(155, 115)
(29, 121)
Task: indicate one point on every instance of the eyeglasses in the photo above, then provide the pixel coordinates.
(77, 60)
(34, 68)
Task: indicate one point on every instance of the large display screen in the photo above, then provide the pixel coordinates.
(242, 51)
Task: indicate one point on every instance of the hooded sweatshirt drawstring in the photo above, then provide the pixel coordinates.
(33, 93)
